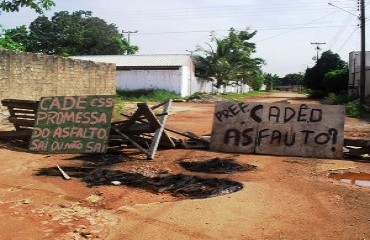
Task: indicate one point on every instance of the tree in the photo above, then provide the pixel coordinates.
(229, 60)
(292, 79)
(77, 33)
(336, 81)
(15, 5)
(271, 80)
(327, 62)
(7, 42)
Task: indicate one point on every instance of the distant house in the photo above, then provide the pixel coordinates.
(173, 72)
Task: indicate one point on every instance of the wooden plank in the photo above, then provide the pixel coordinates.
(189, 135)
(148, 116)
(72, 124)
(21, 122)
(158, 132)
(26, 111)
(278, 129)
(22, 104)
(143, 150)
(20, 134)
(65, 175)
(24, 116)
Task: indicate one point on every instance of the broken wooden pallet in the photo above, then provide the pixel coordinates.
(144, 125)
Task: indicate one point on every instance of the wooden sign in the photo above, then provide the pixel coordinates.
(278, 129)
(79, 124)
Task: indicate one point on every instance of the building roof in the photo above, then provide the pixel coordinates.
(158, 60)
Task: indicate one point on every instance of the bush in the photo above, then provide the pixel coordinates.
(354, 109)
(336, 81)
(333, 98)
(317, 94)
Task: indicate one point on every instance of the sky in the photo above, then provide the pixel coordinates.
(285, 28)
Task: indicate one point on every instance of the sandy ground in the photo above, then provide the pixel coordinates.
(285, 198)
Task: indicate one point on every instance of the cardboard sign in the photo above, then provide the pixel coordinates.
(79, 124)
(278, 129)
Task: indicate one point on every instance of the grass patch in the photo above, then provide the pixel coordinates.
(241, 96)
(124, 100)
(353, 108)
(145, 95)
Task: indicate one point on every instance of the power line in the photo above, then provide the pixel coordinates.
(346, 41)
(285, 32)
(225, 12)
(252, 28)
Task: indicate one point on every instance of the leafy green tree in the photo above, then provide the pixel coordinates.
(7, 42)
(229, 60)
(292, 79)
(336, 81)
(328, 61)
(271, 80)
(15, 5)
(77, 33)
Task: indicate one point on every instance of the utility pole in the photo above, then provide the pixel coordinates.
(128, 34)
(191, 70)
(317, 49)
(363, 53)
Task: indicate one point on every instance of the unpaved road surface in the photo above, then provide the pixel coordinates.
(284, 198)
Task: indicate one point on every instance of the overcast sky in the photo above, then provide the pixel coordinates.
(286, 28)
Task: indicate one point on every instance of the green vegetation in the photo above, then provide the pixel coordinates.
(229, 60)
(241, 96)
(353, 108)
(124, 100)
(66, 34)
(273, 80)
(145, 95)
(328, 75)
(14, 5)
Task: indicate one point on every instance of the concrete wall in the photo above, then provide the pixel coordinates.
(29, 76)
(354, 65)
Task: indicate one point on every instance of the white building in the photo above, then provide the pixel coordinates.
(354, 65)
(173, 72)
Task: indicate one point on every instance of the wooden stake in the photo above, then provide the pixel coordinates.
(65, 175)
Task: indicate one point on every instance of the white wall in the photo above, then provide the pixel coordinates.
(149, 79)
(181, 81)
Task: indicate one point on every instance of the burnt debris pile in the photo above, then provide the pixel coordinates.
(178, 185)
(217, 165)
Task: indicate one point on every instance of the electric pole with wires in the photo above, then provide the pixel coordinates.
(363, 53)
(317, 49)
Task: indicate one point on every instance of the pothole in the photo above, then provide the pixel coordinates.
(358, 179)
(217, 165)
(178, 185)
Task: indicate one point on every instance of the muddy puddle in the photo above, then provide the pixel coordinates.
(358, 179)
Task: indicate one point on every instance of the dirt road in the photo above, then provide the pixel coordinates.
(284, 198)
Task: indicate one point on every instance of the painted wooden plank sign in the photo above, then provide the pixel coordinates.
(278, 129)
(72, 124)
